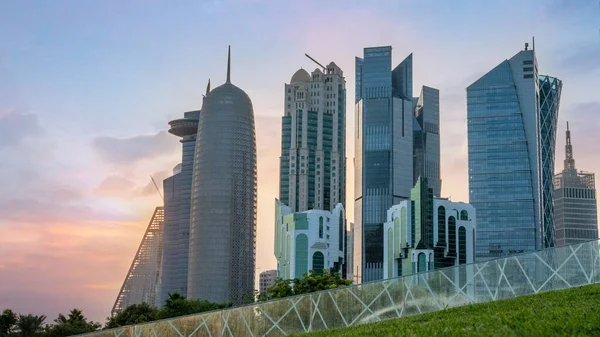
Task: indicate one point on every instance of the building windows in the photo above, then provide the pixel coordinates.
(422, 263)
(462, 245)
(441, 225)
(318, 262)
(320, 227)
(464, 215)
(452, 236)
(528, 76)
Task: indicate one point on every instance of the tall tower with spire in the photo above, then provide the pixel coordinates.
(177, 190)
(575, 208)
(222, 245)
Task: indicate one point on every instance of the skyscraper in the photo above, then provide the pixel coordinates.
(383, 152)
(426, 147)
(222, 247)
(142, 282)
(177, 193)
(313, 142)
(512, 113)
(575, 207)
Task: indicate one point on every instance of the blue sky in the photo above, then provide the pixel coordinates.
(87, 89)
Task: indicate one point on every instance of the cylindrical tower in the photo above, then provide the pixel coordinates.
(223, 221)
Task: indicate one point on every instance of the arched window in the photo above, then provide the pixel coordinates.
(397, 241)
(462, 245)
(318, 262)
(301, 255)
(464, 215)
(452, 235)
(422, 263)
(404, 227)
(441, 225)
(320, 227)
(390, 254)
(342, 232)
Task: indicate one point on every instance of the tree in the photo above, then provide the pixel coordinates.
(75, 323)
(178, 305)
(312, 282)
(309, 283)
(8, 320)
(30, 325)
(133, 314)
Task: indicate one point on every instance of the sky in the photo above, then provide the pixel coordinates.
(87, 89)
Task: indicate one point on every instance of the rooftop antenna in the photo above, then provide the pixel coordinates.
(315, 61)
(526, 45)
(157, 189)
(533, 43)
(228, 65)
(207, 88)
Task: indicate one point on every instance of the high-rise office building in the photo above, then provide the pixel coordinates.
(575, 208)
(177, 195)
(512, 113)
(142, 283)
(222, 246)
(313, 142)
(383, 152)
(426, 134)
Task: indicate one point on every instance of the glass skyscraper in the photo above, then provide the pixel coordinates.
(177, 189)
(512, 113)
(384, 152)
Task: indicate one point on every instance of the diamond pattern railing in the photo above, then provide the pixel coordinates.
(518, 275)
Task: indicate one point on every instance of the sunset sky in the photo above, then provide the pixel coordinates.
(87, 89)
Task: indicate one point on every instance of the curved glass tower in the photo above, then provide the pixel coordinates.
(222, 244)
(512, 113)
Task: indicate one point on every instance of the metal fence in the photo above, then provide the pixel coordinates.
(525, 274)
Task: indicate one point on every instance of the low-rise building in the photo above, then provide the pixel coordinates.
(427, 233)
(309, 240)
(266, 280)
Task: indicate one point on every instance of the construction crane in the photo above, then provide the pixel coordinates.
(315, 61)
(157, 189)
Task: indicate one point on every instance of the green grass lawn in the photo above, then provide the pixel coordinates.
(571, 312)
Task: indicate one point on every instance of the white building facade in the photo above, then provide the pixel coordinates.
(427, 233)
(310, 240)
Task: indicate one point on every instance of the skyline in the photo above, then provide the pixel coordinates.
(58, 96)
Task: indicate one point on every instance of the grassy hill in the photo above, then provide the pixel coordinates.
(571, 312)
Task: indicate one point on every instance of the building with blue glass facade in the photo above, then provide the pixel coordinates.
(177, 194)
(512, 114)
(396, 142)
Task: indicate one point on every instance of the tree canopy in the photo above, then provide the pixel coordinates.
(310, 282)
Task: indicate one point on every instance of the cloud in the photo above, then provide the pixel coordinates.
(149, 188)
(582, 59)
(65, 266)
(15, 127)
(129, 150)
(114, 185)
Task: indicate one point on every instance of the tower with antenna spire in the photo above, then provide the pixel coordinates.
(177, 203)
(575, 208)
(222, 232)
